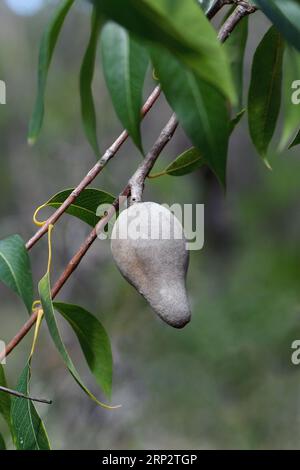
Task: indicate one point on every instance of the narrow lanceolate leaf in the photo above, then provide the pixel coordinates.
(45, 295)
(125, 62)
(182, 28)
(291, 95)
(5, 399)
(27, 427)
(2, 443)
(15, 269)
(201, 109)
(94, 342)
(86, 205)
(235, 47)
(285, 15)
(296, 141)
(186, 163)
(265, 90)
(88, 111)
(47, 47)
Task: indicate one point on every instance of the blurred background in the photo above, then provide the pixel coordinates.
(226, 380)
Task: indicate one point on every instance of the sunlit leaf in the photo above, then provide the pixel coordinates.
(27, 427)
(15, 269)
(265, 90)
(47, 47)
(182, 28)
(125, 63)
(94, 342)
(88, 111)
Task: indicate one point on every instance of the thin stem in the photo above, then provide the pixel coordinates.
(135, 184)
(243, 9)
(97, 168)
(21, 395)
(137, 179)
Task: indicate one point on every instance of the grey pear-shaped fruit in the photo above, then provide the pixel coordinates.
(149, 248)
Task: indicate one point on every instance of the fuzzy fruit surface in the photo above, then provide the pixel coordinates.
(149, 248)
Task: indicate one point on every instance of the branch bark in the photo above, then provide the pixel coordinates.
(110, 153)
(134, 186)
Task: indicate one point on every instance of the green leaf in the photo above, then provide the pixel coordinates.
(86, 204)
(2, 443)
(182, 28)
(291, 111)
(201, 109)
(285, 15)
(94, 342)
(265, 90)
(15, 269)
(45, 295)
(28, 429)
(187, 162)
(235, 47)
(296, 141)
(5, 399)
(47, 47)
(88, 112)
(125, 63)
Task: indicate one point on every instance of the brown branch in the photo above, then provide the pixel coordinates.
(110, 152)
(138, 178)
(136, 184)
(21, 395)
(243, 9)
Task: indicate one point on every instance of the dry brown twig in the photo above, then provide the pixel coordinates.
(135, 184)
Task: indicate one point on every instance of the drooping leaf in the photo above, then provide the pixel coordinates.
(187, 162)
(47, 47)
(125, 63)
(85, 206)
(235, 47)
(265, 90)
(182, 28)
(285, 15)
(2, 443)
(94, 342)
(45, 296)
(5, 399)
(88, 112)
(15, 269)
(296, 141)
(28, 430)
(200, 108)
(291, 110)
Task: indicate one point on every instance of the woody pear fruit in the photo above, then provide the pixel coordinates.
(149, 248)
